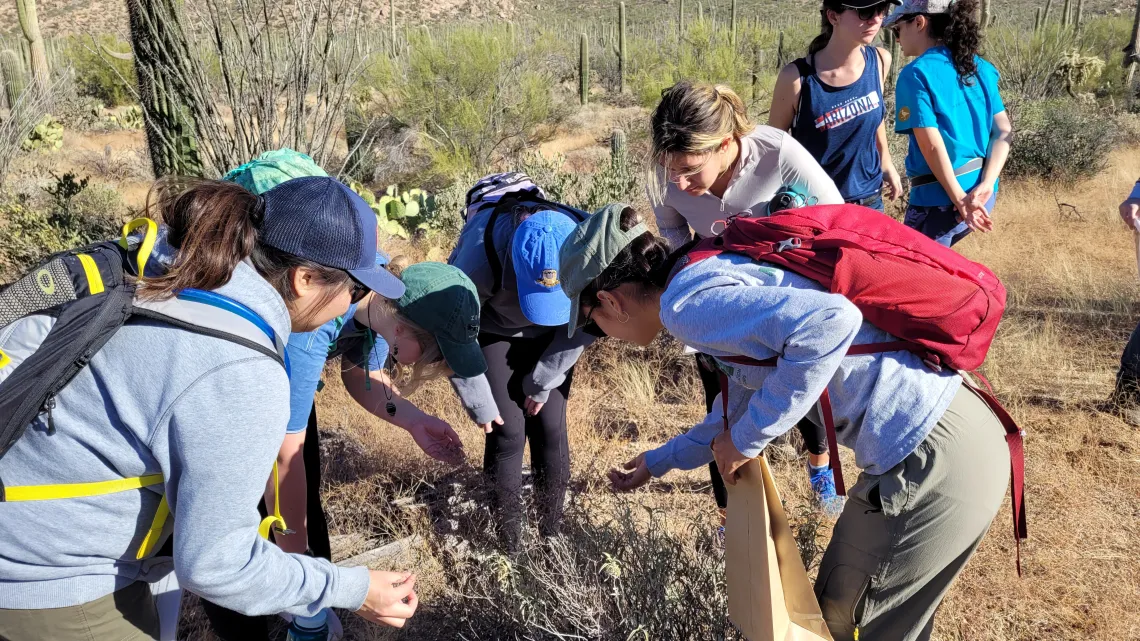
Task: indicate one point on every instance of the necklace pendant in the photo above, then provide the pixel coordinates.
(391, 408)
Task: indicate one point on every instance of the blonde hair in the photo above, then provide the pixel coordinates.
(692, 118)
(430, 365)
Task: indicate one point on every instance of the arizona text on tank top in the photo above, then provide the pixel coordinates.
(837, 125)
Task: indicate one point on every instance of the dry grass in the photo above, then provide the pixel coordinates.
(1072, 283)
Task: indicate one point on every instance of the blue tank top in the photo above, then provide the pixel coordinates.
(837, 126)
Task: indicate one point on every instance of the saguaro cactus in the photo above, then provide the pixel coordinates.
(162, 58)
(1037, 20)
(1065, 13)
(986, 17)
(1045, 13)
(392, 26)
(1080, 14)
(12, 67)
(680, 20)
(733, 23)
(30, 25)
(617, 143)
(780, 51)
(619, 49)
(584, 70)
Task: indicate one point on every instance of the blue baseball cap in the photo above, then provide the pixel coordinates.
(534, 252)
(322, 220)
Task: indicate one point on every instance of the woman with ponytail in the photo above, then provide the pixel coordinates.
(832, 101)
(713, 164)
(947, 101)
(933, 454)
(194, 415)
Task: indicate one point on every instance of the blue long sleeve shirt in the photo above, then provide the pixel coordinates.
(884, 405)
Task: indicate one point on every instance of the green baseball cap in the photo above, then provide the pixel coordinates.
(442, 300)
(590, 249)
(273, 168)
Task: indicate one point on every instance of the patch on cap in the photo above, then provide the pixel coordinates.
(549, 279)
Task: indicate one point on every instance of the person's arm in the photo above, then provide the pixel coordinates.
(433, 435)
(476, 397)
(671, 225)
(933, 150)
(294, 494)
(799, 169)
(1130, 209)
(785, 98)
(551, 369)
(215, 475)
(890, 174)
(1001, 138)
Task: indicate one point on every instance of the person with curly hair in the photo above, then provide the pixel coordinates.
(947, 101)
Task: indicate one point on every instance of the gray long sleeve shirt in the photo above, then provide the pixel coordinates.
(884, 405)
(502, 315)
(209, 416)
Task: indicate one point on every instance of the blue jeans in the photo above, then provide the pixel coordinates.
(940, 222)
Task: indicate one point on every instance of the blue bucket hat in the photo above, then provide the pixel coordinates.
(534, 252)
(322, 220)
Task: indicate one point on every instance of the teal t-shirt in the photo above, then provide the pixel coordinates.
(929, 93)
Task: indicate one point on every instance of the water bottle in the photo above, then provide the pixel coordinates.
(315, 628)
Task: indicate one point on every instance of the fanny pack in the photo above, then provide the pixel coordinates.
(930, 179)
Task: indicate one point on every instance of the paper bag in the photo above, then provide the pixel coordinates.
(769, 595)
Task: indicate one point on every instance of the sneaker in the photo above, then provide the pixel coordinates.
(823, 486)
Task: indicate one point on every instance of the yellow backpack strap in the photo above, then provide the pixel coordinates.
(274, 519)
(155, 531)
(147, 244)
(4, 359)
(91, 270)
(77, 490)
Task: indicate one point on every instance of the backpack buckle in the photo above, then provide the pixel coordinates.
(790, 243)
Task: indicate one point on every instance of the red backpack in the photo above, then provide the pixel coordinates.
(938, 304)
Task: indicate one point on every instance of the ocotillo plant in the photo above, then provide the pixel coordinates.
(392, 26)
(1045, 13)
(30, 25)
(700, 12)
(780, 51)
(619, 49)
(12, 67)
(756, 67)
(1037, 20)
(1080, 14)
(162, 59)
(1065, 14)
(584, 70)
(986, 15)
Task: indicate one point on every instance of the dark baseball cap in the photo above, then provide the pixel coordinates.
(320, 219)
(442, 300)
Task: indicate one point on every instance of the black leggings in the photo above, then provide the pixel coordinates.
(509, 360)
(815, 437)
(233, 626)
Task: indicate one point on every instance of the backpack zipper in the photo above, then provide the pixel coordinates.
(49, 405)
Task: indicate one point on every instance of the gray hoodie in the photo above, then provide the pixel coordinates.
(502, 315)
(884, 405)
(207, 414)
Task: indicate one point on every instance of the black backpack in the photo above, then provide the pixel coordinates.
(82, 297)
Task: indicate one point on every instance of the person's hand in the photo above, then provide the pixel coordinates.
(893, 182)
(488, 426)
(436, 438)
(976, 218)
(532, 406)
(391, 598)
(977, 197)
(628, 481)
(1130, 213)
(728, 458)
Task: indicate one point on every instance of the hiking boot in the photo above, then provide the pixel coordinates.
(823, 486)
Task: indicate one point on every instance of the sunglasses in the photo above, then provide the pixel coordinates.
(587, 320)
(359, 291)
(910, 17)
(872, 12)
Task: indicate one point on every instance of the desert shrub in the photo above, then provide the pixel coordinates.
(615, 181)
(475, 96)
(1028, 62)
(1060, 140)
(99, 75)
(77, 214)
(46, 136)
(627, 572)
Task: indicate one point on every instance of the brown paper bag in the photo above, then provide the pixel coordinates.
(769, 595)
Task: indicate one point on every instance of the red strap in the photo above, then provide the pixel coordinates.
(832, 443)
(1014, 439)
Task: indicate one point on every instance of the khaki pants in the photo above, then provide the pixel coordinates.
(905, 535)
(126, 615)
